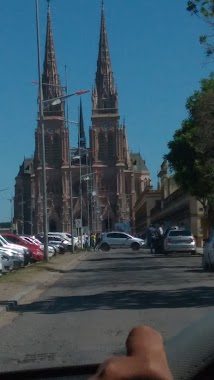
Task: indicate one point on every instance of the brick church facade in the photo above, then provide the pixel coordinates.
(108, 175)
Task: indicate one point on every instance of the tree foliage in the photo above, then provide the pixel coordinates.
(191, 152)
(205, 10)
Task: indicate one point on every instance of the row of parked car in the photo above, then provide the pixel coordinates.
(17, 251)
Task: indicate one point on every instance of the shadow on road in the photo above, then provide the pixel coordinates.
(147, 257)
(128, 268)
(123, 300)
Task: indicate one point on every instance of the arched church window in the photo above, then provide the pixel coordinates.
(48, 149)
(101, 142)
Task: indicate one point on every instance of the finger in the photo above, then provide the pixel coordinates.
(146, 345)
(116, 368)
(143, 340)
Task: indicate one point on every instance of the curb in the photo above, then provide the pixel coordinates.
(13, 303)
(10, 304)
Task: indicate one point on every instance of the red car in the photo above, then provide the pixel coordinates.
(37, 252)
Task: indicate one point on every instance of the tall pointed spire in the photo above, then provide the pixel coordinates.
(50, 73)
(82, 139)
(105, 94)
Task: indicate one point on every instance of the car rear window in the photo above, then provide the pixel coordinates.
(180, 233)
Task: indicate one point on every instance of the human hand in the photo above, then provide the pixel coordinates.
(145, 360)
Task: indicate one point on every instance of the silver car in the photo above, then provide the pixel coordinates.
(180, 240)
(7, 262)
(120, 240)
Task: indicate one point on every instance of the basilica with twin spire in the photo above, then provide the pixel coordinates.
(107, 178)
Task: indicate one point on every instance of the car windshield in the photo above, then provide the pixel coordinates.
(180, 233)
(106, 175)
(3, 240)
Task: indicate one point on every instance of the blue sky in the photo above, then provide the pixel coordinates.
(157, 63)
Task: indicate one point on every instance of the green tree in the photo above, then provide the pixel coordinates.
(205, 10)
(191, 152)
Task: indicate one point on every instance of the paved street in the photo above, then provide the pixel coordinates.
(86, 315)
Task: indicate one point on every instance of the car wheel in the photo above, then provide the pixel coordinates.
(135, 247)
(193, 253)
(105, 247)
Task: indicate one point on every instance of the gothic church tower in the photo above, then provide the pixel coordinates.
(56, 149)
(114, 180)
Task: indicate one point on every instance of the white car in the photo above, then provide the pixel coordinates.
(19, 249)
(179, 240)
(13, 253)
(1, 267)
(6, 262)
(120, 240)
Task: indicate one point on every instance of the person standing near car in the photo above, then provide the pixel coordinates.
(151, 237)
(98, 240)
(92, 241)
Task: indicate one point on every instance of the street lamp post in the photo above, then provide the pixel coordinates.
(88, 195)
(41, 114)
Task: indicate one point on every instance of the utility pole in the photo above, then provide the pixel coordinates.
(11, 213)
(88, 195)
(31, 218)
(41, 117)
(22, 214)
(80, 174)
(70, 170)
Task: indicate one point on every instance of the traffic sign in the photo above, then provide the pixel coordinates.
(78, 223)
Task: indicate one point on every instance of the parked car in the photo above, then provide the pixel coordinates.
(60, 240)
(60, 248)
(1, 267)
(179, 240)
(6, 262)
(120, 240)
(20, 249)
(37, 252)
(15, 259)
(13, 252)
(208, 252)
(66, 238)
(31, 239)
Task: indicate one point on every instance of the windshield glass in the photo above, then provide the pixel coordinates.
(4, 241)
(106, 145)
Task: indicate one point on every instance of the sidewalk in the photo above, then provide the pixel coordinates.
(34, 279)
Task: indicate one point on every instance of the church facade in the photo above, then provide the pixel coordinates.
(106, 177)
